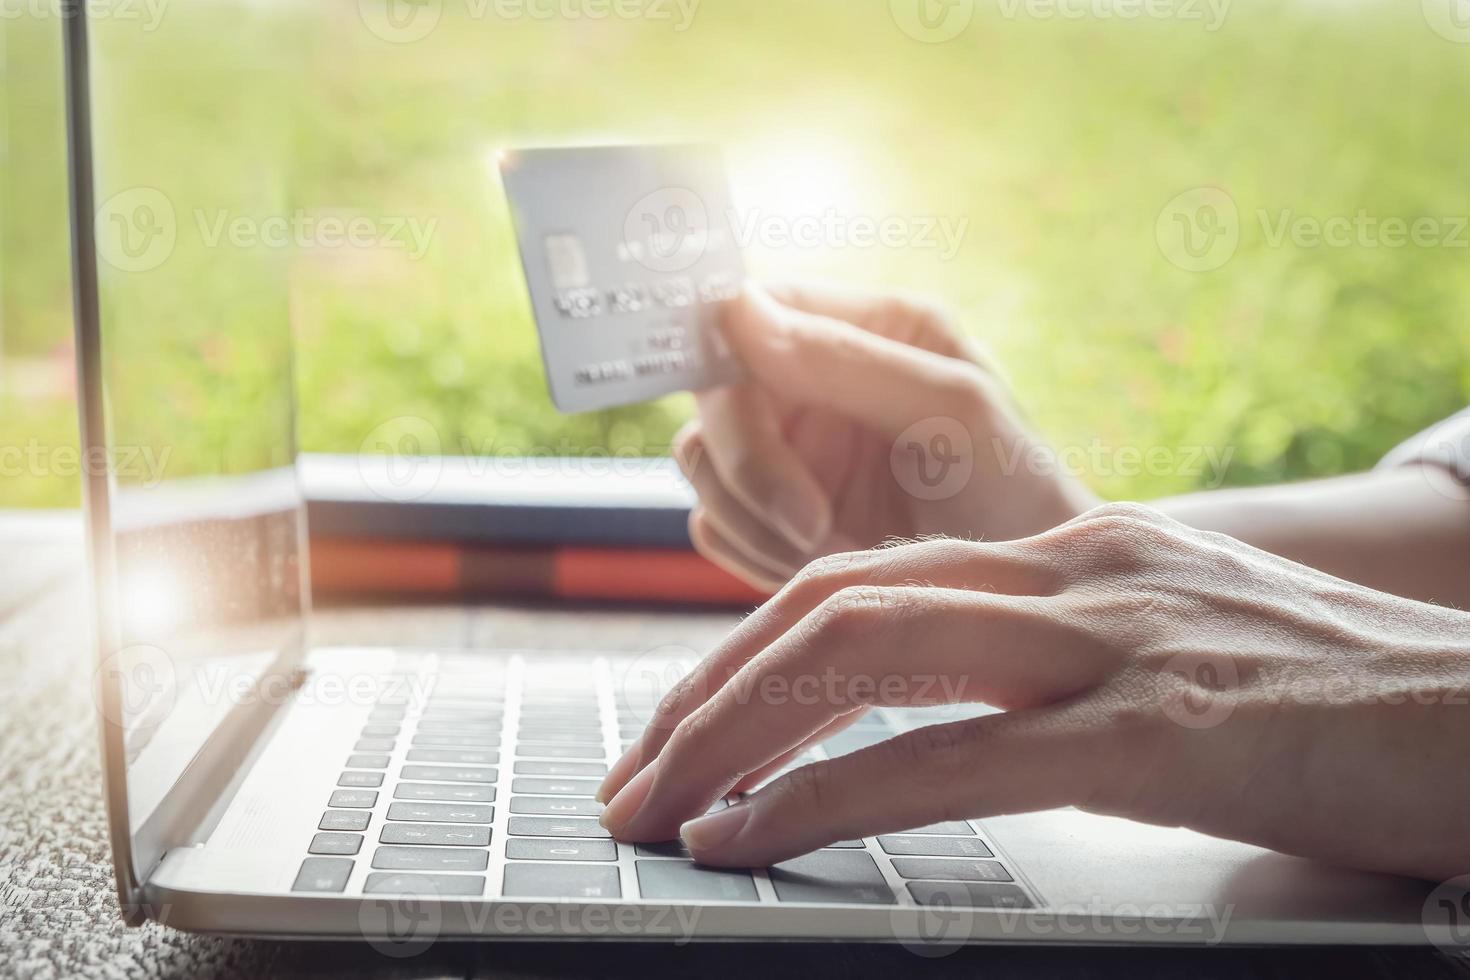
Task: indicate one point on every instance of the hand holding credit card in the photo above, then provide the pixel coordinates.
(628, 254)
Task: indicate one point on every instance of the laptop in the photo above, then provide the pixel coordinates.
(259, 784)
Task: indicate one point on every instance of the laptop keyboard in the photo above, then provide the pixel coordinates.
(484, 789)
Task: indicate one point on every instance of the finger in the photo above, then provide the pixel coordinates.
(748, 448)
(908, 319)
(1002, 567)
(842, 723)
(885, 384)
(1010, 763)
(714, 546)
(729, 518)
(869, 645)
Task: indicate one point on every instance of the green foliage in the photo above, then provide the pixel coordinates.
(1058, 141)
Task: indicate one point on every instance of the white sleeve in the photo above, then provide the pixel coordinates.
(1447, 444)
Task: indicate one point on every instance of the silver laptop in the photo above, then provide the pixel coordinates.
(258, 785)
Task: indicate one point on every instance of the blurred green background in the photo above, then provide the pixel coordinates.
(1058, 143)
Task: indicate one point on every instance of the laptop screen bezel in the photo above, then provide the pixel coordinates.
(217, 764)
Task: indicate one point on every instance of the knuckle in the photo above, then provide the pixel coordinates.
(1125, 510)
(809, 787)
(750, 475)
(821, 578)
(854, 609)
(688, 446)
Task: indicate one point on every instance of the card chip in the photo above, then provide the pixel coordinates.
(567, 260)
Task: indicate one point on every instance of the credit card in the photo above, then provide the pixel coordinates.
(628, 253)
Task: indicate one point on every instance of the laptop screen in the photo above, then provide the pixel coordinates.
(198, 538)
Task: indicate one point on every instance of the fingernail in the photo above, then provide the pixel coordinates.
(716, 829)
(629, 800)
(802, 516)
(618, 774)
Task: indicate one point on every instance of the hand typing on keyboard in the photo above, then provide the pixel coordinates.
(1147, 669)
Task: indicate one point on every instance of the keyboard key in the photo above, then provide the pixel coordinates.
(455, 726)
(560, 769)
(323, 875)
(555, 787)
(380, 731)
(373, 745)
(439, 774)
(548, 736)
(462, 757)
(412, 884)
(934, 846)
(387, 716)
(831, 877)
(344, 820)
(392, 858)
(477, 716)
(441, 812)
(540, 750)
(970, 894)
(335, 844)
(557, 827)
(453, 792)
(686, 881)
(846, 844)
(951, 869)
(552, 806)
(362, 779)
(952, 828)
(560, 881)
(367, 762)
(441, 740)
(853, 739)
(357, 799)
(443, 835)
(541, 849)
(663, 849)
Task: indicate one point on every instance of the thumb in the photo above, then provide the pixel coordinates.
(816, 360)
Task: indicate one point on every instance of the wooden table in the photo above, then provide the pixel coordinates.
(59, 915)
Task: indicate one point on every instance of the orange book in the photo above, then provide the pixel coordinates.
(355, 566)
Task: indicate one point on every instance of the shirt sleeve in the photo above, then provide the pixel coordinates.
(1446, 444)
